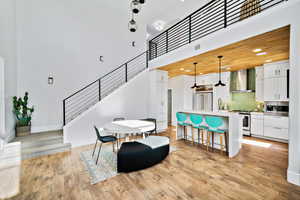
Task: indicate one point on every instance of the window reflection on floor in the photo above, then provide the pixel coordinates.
(256, 143)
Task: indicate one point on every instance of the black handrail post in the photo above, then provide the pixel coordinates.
(126, 73)
(225, 13)
(167, 41)
(64, 112)
(190, 29)
(99, 85)
(147, 58)
(150, 49)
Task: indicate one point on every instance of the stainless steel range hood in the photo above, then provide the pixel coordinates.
(242, 81)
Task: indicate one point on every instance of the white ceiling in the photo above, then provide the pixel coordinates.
(169, 11)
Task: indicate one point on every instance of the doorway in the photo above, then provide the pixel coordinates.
(2, 99)
(169, 107)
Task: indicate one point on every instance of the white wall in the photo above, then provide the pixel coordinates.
(276, 17)
(64, 39)
(182, 95)
(8, 53)
(2, 100)
(129, 101)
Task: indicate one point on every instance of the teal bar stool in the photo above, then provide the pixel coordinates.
(214, 124)
(196, 123)
(181, 121)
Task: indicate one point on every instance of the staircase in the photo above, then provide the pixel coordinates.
(83, 99)
(42, 144)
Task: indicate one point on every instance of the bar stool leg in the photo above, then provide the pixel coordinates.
(221, 143)
(207, 140)
(198, 130)
(213, 141)
(193, 136)
(202, 137)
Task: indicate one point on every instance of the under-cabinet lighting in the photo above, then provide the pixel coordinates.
(268, 60)
(181, 69)
(188, 70)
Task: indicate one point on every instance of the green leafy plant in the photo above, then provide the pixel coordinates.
(22, 111)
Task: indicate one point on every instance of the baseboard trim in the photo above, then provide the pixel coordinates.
(39, 129)
(10, 136)
(293, 177)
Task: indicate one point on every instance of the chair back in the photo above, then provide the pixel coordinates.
(214, 122)
(151, 120)
(196, 119)
(181, 117)
(118, 119)
(98, 133)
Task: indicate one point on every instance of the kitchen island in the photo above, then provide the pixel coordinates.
(231, 123)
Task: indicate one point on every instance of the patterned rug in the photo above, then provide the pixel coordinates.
(107, 163)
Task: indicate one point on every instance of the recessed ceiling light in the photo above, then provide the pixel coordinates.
(159, 25)
(257, 50)
(269, 60)
(261, 54)
(201, 73)
(228, 68)
(188, 70)
(181, 69)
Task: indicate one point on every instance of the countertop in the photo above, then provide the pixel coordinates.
(213, 113)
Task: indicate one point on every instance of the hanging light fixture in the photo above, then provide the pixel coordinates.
(220, 81)
(135, 6)
(132, 26)
(195, 86)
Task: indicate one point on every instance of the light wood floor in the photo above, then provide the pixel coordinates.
(188, 173)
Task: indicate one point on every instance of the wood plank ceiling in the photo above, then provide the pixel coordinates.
(239, 55)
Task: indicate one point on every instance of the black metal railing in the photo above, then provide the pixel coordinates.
(91, 94)
(213, 16)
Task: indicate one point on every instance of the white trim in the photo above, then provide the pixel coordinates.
(293, 177)
(39, 129)
(10, 136)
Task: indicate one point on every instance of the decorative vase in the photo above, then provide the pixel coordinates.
(23, 130)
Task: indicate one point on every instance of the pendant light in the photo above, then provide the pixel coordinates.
(220, 81)
(195, 86)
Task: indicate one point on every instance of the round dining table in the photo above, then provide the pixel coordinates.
(129, 127)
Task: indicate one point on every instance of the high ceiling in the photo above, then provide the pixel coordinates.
(168, 11)
(238, 55)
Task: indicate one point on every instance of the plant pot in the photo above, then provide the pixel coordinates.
(23, 130)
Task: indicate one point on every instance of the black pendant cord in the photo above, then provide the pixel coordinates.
(220, 81)
(195, 73)
(220, 68)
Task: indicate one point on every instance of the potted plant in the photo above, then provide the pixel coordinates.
(23, 115)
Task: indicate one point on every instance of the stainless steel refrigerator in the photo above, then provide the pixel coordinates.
(203, 100)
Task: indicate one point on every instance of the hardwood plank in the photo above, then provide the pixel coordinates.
(188, 173)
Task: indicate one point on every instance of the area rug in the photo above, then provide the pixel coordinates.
(107, 164)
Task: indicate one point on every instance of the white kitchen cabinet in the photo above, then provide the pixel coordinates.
(276, 127)
(257, 124)
(259, 83)
(158, 98)
(276, 69)
(275, 89)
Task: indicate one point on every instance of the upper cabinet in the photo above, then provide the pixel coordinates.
(276, 81)
(259, 83)
(275, 70)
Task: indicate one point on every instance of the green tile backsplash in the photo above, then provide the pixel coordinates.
(243, 101)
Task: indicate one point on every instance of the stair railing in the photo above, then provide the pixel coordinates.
(214, 16)
(94, 92)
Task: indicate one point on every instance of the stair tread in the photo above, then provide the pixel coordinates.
(39, 137)
(44, 153)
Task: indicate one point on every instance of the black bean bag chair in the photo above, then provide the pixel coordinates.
(142, 154)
